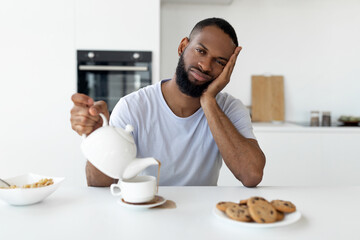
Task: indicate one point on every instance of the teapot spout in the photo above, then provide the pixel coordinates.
(137, 165)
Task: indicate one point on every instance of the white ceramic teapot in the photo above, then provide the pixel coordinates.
(113, 151)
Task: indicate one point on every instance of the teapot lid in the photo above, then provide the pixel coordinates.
(126, 133)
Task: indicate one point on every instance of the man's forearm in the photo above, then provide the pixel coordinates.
(243, 156)
(95, 178)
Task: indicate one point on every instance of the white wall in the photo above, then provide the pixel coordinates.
(37, 79)
(313, 44)
(38, 74)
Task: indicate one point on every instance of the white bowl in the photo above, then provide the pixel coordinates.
(26, 196)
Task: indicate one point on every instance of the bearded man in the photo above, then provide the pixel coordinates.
(185, 122)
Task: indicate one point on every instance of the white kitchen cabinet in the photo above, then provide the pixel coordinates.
(119, 25)
(297, 156)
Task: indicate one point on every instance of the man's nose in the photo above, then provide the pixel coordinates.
(205, 64)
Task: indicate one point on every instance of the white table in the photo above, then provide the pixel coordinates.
(93, 213)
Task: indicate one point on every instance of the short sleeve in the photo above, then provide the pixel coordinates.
(120, 115)
(238, 114)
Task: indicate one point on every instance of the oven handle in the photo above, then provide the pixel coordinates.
(112, 68)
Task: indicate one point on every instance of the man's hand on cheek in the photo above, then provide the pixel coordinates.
(223, 79)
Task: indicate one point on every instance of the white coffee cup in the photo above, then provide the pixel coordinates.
(139, 189)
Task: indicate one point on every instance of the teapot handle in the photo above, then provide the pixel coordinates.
(105, 123)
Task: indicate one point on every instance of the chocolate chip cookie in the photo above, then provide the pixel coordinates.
(239, 213)
(261, 210)
(222, 206)
(283, 206)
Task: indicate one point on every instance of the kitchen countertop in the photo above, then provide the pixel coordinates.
(298, 127)
(93, 213)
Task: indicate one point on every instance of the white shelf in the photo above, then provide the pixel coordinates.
(292, 127)
(212, 2)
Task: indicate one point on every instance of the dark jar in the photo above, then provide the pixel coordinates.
(326, 119)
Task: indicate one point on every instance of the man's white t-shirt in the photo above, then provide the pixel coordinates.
(184, 146)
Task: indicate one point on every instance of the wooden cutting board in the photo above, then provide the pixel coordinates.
(267, 95)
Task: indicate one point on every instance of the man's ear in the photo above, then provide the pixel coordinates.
(183, 44)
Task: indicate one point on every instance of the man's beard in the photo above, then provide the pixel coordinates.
(185, 86)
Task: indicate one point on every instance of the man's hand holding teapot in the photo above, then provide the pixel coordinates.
(85, 116)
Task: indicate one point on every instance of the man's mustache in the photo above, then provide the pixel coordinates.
(206, 73)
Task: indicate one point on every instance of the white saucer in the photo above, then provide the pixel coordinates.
(289, 219)
(159, 200)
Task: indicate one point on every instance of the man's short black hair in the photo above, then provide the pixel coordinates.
(220, 23)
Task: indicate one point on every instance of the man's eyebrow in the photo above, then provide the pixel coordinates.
(202, 45)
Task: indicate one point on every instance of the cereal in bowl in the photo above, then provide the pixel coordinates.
(41, 183)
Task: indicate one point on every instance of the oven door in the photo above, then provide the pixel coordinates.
(110, 82)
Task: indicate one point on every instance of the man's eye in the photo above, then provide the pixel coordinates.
(200, 50)
(222, 63)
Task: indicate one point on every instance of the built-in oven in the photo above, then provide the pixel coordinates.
(110, 75)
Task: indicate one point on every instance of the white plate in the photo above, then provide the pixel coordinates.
(26, 196)
(143, 205)
(289, 219)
